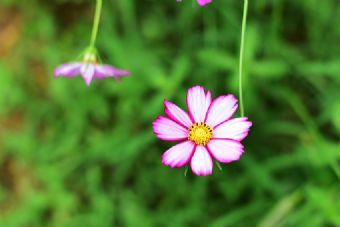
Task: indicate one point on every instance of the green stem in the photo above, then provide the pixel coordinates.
(244, 24)
(96, 22)
(186, 171)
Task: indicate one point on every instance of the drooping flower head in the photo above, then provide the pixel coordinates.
(207, 133)
(89, 69)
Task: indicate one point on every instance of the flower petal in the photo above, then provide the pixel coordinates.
(201, 162)
(225, 150)
(114, 72)
(177, 114)
(208, 99)
(236, 129)
(68, 70)
(87, 71)
(203, 2)
(221, 109)
(100, 72)
(166, 129)
(198, 103)
(178, 155)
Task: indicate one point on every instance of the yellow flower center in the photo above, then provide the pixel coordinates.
(200, 133)
(90, 58)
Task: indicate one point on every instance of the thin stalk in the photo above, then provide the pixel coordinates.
(244, 24)
(96, 22)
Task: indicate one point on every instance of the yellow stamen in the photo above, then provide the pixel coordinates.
(200, 133)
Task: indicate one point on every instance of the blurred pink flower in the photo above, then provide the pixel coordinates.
(89, 69)
(208, 132)
(203, 2)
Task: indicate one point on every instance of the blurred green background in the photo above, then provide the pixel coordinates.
(77, 156)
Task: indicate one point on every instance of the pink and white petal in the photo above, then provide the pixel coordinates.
(167, 129)
(114, 72)
(208, 99)
(236, 129)
(198, 103)
(203, 2)
(225, 151)
(201, 162)
(100, 72)
(178, 155)
(87, 71)
(221, 109)
(68, 70)
(177, 114)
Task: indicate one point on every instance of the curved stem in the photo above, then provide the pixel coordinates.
(244, 24)
(96, 22)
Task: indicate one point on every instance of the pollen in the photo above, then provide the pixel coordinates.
(200, 133)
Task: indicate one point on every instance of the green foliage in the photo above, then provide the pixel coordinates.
(74, 156)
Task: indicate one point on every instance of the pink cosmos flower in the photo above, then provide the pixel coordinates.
(203, 2)
(89, 69)
(208, 132)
